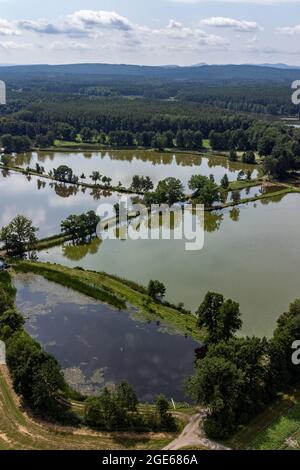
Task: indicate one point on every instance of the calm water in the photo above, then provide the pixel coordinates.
(253, 191)
(46, 203)
(251, 254)
(97, 345)
(122, 165)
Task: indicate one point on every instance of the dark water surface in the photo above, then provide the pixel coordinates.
(96, 344)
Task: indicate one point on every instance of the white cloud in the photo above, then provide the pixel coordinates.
(80, 23)
(6, 28)
(290, 30)
(39, 26)
(237, 25)
(101, 18)
(92, 24)
(106, 36)
(188, 36)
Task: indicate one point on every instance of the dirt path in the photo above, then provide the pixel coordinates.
(193, 436)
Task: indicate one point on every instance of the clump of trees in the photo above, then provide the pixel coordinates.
(117, 409)
(15, 143)
(80, 227)
(239, 376)
(249, 157)
(205, 190)
(5, 159)
(19, 237)
(36, 376)
(156, 290)
(233, 155)
(221, 318)
(39, 169)
(64, 174)
(225, 182)
(141, 184)
(168, 191)
(96, 176)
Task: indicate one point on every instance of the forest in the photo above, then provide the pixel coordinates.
(162, 112)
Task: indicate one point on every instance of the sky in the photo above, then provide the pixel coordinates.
(150, 32)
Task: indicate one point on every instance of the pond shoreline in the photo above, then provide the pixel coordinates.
(118, 293)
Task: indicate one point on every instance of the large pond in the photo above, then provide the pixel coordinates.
(97, 345)
(251, 254)
(122, 165)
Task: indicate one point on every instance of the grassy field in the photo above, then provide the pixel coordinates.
(278, 427)
(50, 242)
(240, 185)
(19, 431)
(117, 292)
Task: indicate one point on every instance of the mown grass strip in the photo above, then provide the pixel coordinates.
(240, 185)
(51, 242)
(67, 279)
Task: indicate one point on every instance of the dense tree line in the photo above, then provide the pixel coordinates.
(114, 121)
(266, 92)
(36, 375)
(171, 191)
(80, 227)
(117, 409)
(239, 376)
(41, 115)
(270, 99)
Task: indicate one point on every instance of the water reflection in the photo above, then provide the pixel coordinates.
(122, 165)
(46, 202)
(77, 252)
(234, 214)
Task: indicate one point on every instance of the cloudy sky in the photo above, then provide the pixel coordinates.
(148, 32)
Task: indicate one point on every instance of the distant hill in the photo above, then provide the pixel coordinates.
(279, 66)
(202, 72)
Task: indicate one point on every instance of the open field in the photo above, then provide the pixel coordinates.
(20, 431)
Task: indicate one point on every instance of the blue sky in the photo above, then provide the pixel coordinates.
(152, 32)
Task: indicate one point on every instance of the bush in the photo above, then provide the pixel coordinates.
(12, 319)
(215, 428)
(105, 412)
(5, 301)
